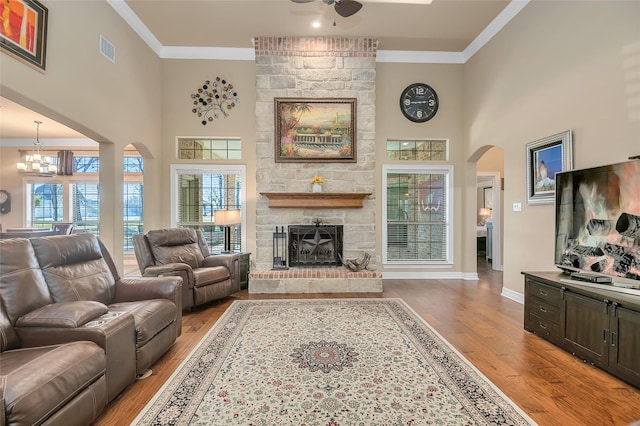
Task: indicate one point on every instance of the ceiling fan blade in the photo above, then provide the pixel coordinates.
(302, 1)
(347, 8)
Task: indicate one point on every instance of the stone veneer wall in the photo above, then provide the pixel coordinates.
(315, 67)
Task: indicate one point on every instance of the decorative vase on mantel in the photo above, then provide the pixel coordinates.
(316, 187)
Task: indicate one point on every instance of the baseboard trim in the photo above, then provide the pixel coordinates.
(513, 295)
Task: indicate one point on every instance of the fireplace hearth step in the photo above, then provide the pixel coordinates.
(315, 280)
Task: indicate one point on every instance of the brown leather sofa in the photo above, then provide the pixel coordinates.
(73, 334)
(184, 252)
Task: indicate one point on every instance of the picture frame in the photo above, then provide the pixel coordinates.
(25, 38)
(315, 130)
(487, 197)
(545, 158)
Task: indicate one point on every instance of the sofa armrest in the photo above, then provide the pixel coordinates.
(230, 261)
(145, 288)
(171, 269)
(63, 314)
(220, 260)
(114, 332)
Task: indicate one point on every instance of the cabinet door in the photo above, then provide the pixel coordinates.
(585, 328)
(624, 347)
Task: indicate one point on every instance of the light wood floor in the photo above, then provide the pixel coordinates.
(552, 386)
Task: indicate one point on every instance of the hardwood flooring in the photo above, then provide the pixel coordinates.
(550, 385)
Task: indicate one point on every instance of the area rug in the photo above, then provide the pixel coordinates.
(329, 362)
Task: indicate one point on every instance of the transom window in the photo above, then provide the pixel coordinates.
(209, 149)
(433, 149)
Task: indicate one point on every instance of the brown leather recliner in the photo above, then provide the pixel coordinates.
(184, 252)
(62, 289)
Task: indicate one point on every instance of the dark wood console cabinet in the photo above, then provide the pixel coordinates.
(598, 325)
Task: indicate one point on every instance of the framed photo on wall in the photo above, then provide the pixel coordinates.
(487, 193)
(23, 33)
(315, 130)
(545, 158)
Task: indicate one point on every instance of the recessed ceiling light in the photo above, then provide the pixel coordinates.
(316, 24)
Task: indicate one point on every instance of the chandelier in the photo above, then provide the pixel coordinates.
(34, 163)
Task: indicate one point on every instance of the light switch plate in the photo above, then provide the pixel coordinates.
(517, 207)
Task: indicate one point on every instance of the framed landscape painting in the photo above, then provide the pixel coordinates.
(315, 130)
(545, 158)
(23, 33)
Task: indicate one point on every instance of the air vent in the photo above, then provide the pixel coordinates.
(107, 49)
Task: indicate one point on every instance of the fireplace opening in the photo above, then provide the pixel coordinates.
(315, 245)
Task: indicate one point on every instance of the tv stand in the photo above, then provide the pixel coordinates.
(595, 322)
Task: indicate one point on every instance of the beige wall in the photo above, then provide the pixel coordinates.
(114, 104)
(180, 79)
(555, 66)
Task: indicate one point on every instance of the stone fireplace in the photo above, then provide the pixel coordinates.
(313, 68)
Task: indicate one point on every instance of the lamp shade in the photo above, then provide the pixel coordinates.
(484, 212)
(226, 217)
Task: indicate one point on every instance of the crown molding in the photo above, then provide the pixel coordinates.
(419, 57)
(248, 54)
(498, 23)
(47, 143)
(220, 53)
(137, 25)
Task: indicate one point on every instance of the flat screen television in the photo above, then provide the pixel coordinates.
(598, 221)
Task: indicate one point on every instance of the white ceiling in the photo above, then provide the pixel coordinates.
(444, 26)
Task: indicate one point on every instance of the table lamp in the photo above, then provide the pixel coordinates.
(226, 218)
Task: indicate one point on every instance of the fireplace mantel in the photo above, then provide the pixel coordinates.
(316, 199)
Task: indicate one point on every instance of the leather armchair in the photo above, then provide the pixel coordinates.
(184, 252)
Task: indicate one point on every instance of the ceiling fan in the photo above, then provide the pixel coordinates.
(344, 8)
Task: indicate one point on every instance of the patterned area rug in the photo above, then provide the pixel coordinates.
(329, 362)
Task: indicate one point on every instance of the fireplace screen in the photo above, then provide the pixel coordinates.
(311, 245)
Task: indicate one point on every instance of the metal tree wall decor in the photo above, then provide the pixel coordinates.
(214, 99)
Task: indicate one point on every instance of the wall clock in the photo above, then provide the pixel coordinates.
(419, 102)
(5, 201)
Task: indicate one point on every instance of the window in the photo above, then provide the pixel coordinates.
(417, 214)
(417, 150)
(77, 198)
(46, 204)
(86, 164)
(132, 199)
(209, 149)
(132, 212)
(85, 202)
(198, 191)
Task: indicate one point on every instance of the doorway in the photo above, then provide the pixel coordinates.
(489, 210)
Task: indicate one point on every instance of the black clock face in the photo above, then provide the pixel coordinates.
(5, 201)
(419, 102)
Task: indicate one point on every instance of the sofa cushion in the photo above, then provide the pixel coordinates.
(63, 314)
(18, 264)
(39, 381)
(206, 276)
(74, 268)
(150, 317)
(175, 245)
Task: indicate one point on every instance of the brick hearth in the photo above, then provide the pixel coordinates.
(314, 280)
